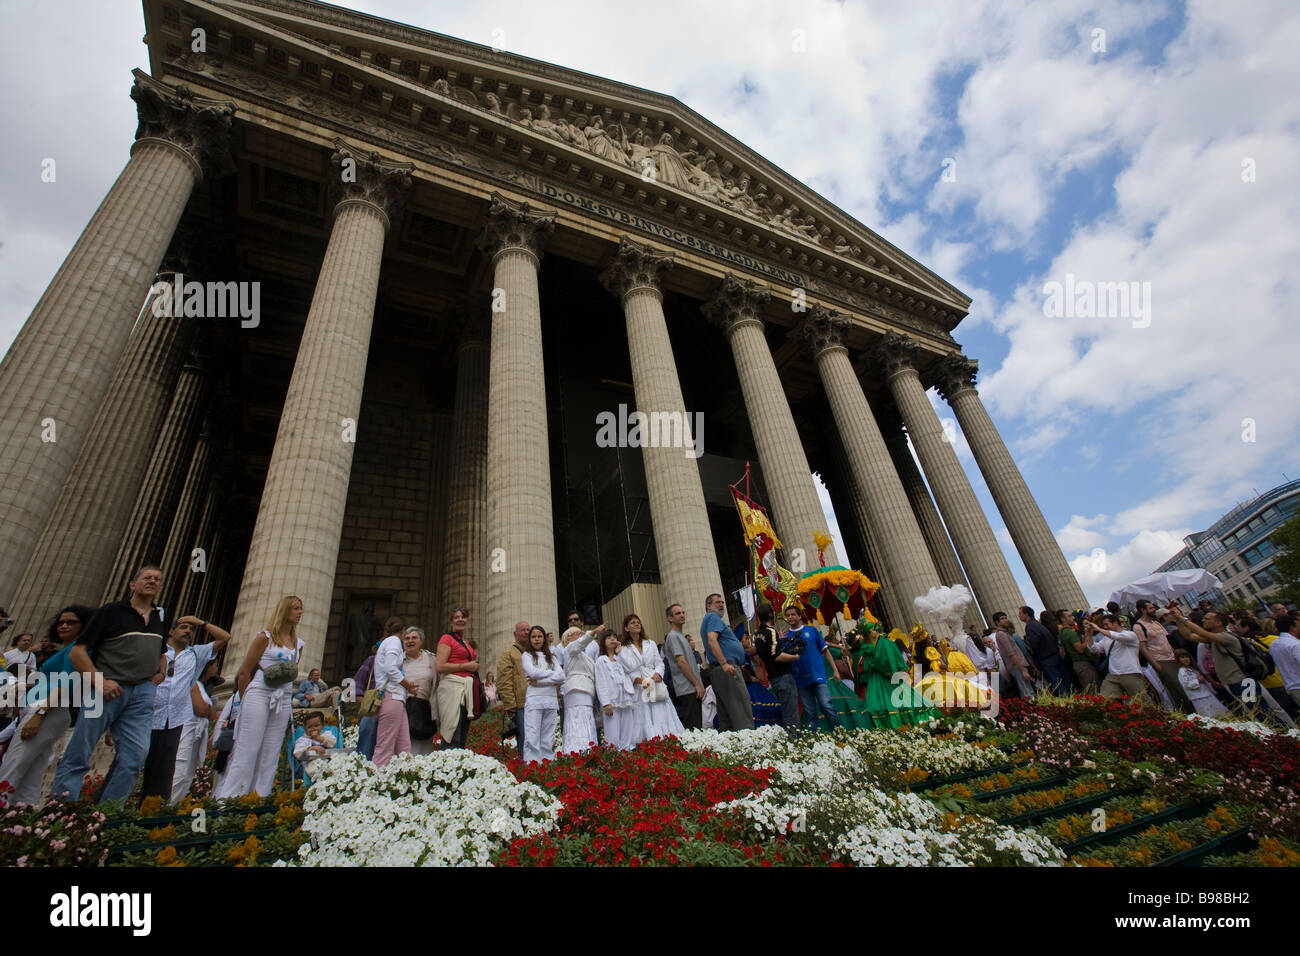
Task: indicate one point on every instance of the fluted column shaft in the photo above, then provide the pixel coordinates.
(688, 563)
(156, 503)
(73, 557)
(520, 558)
(796, 508)
(890, 604)
(908, 566)
(945, 558)
(295, 543)
(465, 577)
(1047, 567)
(981, 556)
(191, 583)
(59, 369)
(178, 550)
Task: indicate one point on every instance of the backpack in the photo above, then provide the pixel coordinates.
(1255, 660)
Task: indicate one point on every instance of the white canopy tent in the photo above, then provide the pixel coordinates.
(1166, 586)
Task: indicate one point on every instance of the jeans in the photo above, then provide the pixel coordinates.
(813, 696)
(787, 692)
(367, 734)
(130, 717)
(1024, 685)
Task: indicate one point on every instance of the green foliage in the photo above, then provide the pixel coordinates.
(1286, 559)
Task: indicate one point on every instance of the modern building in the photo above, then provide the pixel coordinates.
(406, 283)
(1237, 548)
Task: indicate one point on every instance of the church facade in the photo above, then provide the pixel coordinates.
(428, 324)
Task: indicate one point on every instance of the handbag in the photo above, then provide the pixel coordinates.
(371, 699)
(661, 692)
(480, 697)
(419, 718)
(280, 673)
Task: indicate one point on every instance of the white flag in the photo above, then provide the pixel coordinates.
(746, 595)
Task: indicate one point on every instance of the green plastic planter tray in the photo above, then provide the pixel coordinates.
(1231, 842)
(931, 783)
(153, 822)
(191, 842)
(1182, 811)
(1069, 806)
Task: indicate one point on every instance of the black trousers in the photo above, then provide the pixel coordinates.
(689, 710)
(160, 764)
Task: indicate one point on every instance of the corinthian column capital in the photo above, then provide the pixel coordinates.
(514, 226)
(364, 176)
(197, 126)
(635, 266)
(823, 329)
(896, 354)
(737, 302)
(953, 373)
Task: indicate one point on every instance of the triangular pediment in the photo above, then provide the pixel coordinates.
(609, 139)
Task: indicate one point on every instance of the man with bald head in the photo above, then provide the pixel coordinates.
(512, 684)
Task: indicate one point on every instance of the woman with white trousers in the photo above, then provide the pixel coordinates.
(579, 688)
(545, 674)
(265, 709)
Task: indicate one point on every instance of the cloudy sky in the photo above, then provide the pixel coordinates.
(1007, 145)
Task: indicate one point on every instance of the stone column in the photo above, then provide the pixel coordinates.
(295, 544)
(927, 516)
(688, 565)
(520, 559)
(156, 503)
(1047, 566)
(73, 557)
(466, 554)
(888, 604)
(58, 371)
(177, 552)
(796, 508)
(907, 562)
(188, 584)
(991, 578)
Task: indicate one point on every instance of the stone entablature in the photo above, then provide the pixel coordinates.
(530, 123)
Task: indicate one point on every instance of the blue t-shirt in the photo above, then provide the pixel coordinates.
(810, 668)
(727, 640)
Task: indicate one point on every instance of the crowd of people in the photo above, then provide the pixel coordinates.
(1207, 661)
(593, 684)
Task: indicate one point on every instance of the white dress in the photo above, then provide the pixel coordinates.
(657, 718)
(541, 706)
(1200, 694)
(264, 714)
(614, 689)
(579, 691)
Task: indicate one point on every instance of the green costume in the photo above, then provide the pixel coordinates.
(851, 711)
(889, 704)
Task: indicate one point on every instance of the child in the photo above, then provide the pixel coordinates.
(313, 744)
(490, 690)
(545, 673)
(1197, 686)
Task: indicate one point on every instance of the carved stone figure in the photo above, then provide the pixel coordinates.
(602, 144)
(670, 168)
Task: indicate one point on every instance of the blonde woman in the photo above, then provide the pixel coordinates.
(265, 687)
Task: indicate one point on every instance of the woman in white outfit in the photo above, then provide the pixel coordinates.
(193, 748)
(579, 688)
(264, 710)
(615, 692)
(42, 722)
(640, 659)
(545, 674)
(420, 666)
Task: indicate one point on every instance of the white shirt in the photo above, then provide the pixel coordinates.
(1124, 652)
(15, 656)
(388, 667)
(1285, 651)
(548, 679)
(172, 706)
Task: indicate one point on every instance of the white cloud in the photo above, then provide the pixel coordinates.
(1101, 572)
(1079, 535)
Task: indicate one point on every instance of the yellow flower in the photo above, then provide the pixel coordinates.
(162, 833)
(150, 806)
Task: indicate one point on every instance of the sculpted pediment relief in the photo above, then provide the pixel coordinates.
(522, 120)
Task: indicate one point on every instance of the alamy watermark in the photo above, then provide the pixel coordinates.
(74, 689)
(638, 429)
(1085, 299)
(208, 300)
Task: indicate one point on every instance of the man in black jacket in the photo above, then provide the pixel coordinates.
(1047, 653)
